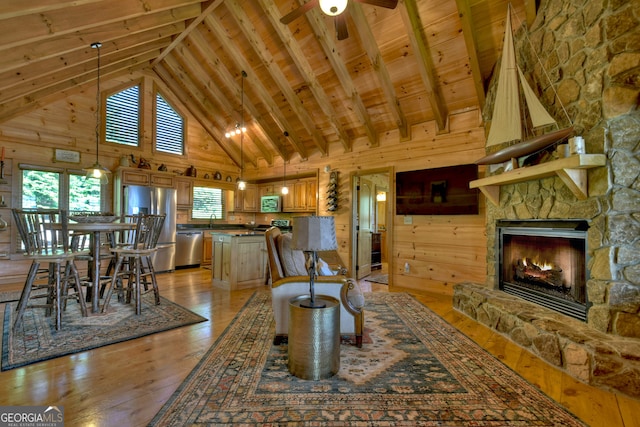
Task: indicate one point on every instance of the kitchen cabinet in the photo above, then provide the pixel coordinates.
(184, 194)
(239, 260)
(246, 200)
(266, 190)
(207, 248)
(302, 197)
(134, 176)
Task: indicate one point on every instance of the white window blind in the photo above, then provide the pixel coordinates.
(169, 128)
(122, 123)
(208, 201)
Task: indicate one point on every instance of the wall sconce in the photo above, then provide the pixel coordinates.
(381, 196)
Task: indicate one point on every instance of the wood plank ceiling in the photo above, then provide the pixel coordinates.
(305, 91)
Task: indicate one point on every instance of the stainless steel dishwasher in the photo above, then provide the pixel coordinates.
(188, 248)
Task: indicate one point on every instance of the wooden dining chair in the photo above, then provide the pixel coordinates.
(133, 271)
(46, 240)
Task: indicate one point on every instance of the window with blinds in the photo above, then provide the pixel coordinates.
(122, 119)
(208, 203)
(169, 128)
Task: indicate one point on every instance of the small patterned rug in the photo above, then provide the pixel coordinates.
(37, 339)
(9, 296)
(417, 370)
(378, 278)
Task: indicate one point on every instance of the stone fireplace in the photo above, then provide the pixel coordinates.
(595, 71)
(545, 262)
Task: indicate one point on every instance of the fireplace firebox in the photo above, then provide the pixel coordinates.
(545, 262)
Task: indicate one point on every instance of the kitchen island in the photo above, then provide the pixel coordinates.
(239, 259)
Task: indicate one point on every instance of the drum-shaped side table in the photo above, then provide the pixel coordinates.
(314, 338)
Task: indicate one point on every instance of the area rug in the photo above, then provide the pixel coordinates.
(37, 340)
(378, 278)
(418, 370)
(9, 296)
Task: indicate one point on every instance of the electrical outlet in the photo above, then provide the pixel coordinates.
(408, 219)
(407, 268)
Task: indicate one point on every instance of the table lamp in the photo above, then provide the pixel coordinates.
(312, 234)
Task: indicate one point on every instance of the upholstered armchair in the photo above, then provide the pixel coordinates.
(289, 278)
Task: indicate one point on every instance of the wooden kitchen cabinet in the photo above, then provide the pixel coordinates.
(246, 200)
(239, 260)
(207, 248)
(134, 176)
(184, 193)
(302, 197)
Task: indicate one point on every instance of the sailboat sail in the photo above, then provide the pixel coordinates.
(506, 124)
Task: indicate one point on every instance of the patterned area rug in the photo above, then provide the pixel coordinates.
(378, 278)
(37, 339)
(417, 370)
(9, 296)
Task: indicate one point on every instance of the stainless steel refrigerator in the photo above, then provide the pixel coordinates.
(155, 200)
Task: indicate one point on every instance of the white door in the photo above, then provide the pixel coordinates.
(364, 224)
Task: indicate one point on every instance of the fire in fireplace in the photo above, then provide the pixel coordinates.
(545, 262)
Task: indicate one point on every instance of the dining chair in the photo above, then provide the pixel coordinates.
(133, 271)
(46, 240)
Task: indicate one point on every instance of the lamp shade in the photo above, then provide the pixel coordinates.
(314, 233)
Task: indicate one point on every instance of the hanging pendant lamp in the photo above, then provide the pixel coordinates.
(241, 182)
(285, 189)
(98, 171)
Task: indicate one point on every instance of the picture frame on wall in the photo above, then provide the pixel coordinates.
(67, 156)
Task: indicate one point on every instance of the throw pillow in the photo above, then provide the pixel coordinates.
(293, 260)
(324, 269)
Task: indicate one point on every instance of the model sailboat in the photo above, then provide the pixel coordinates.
(507, 122)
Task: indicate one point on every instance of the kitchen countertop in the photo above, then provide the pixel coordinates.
(237, 233)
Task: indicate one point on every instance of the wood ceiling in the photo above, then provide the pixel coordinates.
(305, 91)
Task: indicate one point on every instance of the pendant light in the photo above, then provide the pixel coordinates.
(241, 183)
(285, 189)
(98, 171)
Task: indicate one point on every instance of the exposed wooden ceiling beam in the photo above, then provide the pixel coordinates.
(64, 88)
(411, 18)
(262, 51)
(195, 108)
(203, 81)
(263, 94)
(15, 9)
(48, 74)
(373, 52)
(122, 34)
(211, 62)
(327, 41)
(192, 25)
(36, 27)
(305, 68)
(464, 11)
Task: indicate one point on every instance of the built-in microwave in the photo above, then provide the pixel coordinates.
(270, 204)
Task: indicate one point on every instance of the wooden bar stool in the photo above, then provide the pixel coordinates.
(134, 266)
(46, 240)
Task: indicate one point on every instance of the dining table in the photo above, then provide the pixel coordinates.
(95, 229)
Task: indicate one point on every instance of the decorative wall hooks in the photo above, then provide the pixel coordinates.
(332, 192)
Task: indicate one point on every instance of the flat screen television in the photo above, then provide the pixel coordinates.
(438, 191)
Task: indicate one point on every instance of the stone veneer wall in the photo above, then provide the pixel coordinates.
(591, 51)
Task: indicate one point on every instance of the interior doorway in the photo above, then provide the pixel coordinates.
(370, 223)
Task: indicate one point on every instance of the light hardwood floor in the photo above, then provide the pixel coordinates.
(125, 384)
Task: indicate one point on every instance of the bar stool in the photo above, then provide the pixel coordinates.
(46, 239)
(134, 263)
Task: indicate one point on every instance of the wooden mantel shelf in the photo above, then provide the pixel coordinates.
(571, 170)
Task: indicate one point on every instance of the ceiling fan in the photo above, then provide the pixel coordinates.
(334, 8)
